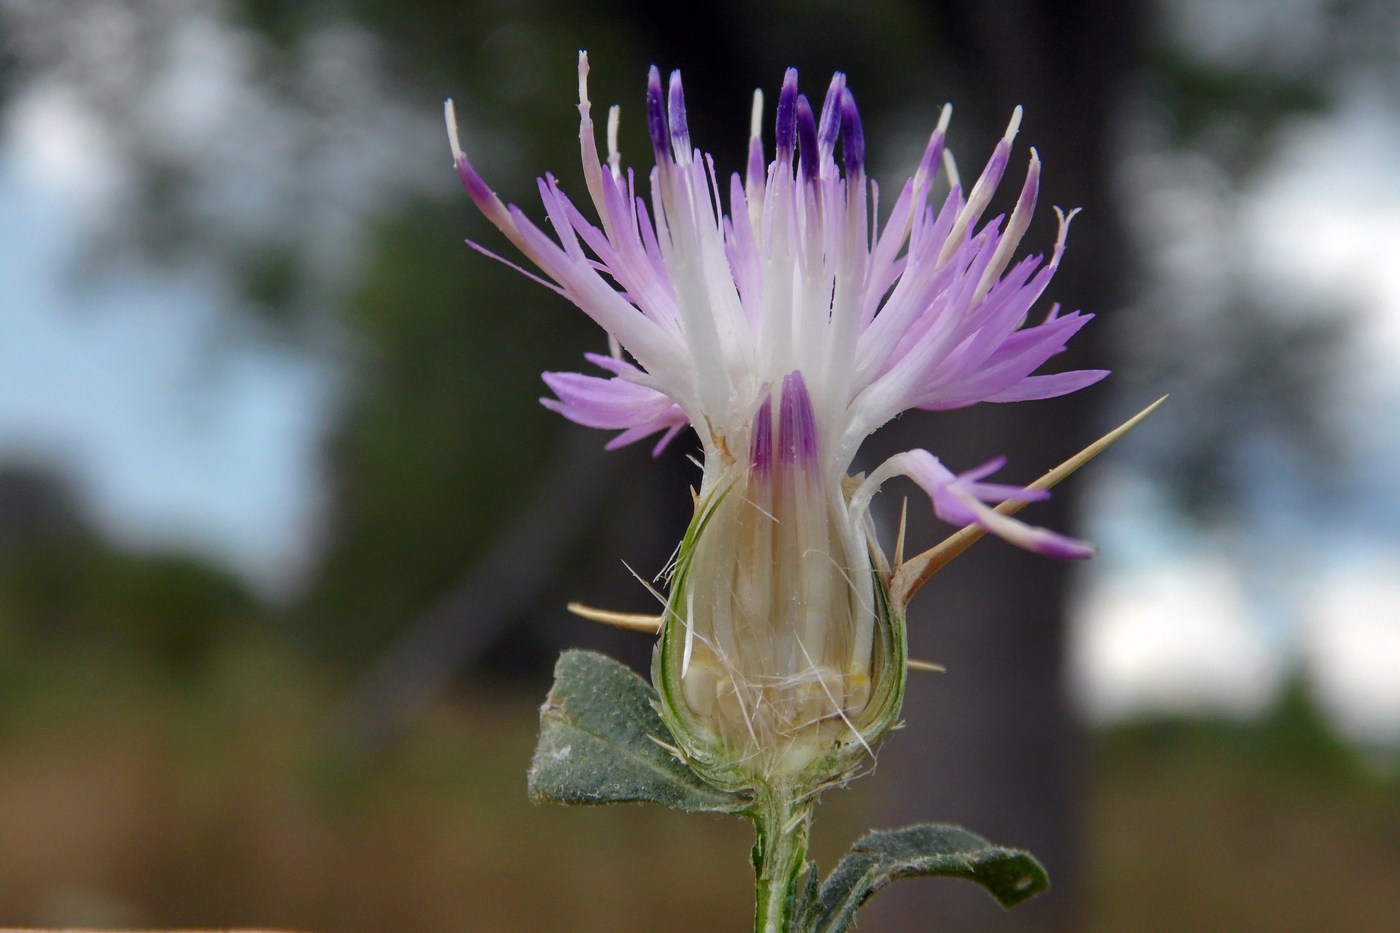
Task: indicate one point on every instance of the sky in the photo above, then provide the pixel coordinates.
(1174, 619)
(178, 433)
(127, 384)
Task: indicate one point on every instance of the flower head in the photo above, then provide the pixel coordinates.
(786, 331)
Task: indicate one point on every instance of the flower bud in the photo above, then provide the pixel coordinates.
(780, 661)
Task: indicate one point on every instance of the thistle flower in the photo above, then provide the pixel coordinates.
(785, 332)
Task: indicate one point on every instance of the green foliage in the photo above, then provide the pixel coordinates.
(1210, 825)
(209, 807)
(62, 583)
(1293, 740)
(926, 850)
(1295, 737)
(1236, 113)
(443, 438)
(601, 741)
(169, 609)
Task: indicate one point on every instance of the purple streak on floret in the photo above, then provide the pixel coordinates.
(1000, 374)
(807, 153)
(1052, 544)
(516, 267)
(614, 403)
(680, 133)
(1049, 385)
(1030, 188)
(957, 499)
(656, 114)
(797, 426)
(471, 180)
(997, 492)
(852, 136)
(933, 155)
(786, 127)
(942, 302)
(829, 127)
(761, 450)
(996, 165)
(753, 173)
(987, 182)
(480, 192)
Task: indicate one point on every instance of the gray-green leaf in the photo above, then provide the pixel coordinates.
(1009, 875)
(601, 741)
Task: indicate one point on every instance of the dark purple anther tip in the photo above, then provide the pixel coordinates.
(831, 113)
(786, 130)
(656, 113)
(852, 136)
(679, 133)
(797, 426)
(807, 139)
(761, 451)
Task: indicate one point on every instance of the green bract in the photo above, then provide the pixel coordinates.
(778, 664)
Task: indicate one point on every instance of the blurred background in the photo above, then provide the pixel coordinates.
(285, 538)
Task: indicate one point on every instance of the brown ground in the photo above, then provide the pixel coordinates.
(218, 806)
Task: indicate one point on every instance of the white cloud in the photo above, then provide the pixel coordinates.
(1324, 220)
(1352, 644)
(55, 147)
(171, 441)
(1172, 636)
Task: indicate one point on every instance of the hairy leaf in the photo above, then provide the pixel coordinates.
(1009, 875)
(601, 741)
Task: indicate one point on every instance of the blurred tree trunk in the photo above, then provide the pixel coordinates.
(992, 744)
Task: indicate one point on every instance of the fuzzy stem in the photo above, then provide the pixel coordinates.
(782, 825)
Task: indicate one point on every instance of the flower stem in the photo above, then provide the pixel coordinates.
(782, 825)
